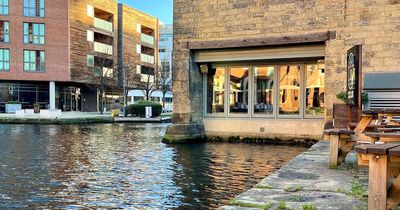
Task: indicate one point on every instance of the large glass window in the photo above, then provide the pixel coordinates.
(34, 33)
(264, 90)
(238, 90)
(3, 7)
(34, 60)
(4, 31)
(34, 8)
(289, 89)
(216, 91)
(315, 89)
(4, 60)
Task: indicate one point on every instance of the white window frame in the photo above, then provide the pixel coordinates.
(90, 10)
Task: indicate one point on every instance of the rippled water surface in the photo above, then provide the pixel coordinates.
(125, 166)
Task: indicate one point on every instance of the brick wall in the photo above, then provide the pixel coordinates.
(374, 24)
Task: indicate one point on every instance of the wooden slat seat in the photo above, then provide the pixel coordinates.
(353, 126)
(394, 129)
(382, 135)
(383, 162)
(336, 131)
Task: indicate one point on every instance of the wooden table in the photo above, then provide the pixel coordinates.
(384, 180)
(369, 116)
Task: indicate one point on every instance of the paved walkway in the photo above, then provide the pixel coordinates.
(307, 183)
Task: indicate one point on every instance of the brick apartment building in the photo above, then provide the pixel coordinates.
(272, 69)
(57, 53)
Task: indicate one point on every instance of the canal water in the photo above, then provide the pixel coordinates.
(125, 166)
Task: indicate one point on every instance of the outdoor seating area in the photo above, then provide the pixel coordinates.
(376, 139)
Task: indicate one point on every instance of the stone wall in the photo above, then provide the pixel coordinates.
(374, 24)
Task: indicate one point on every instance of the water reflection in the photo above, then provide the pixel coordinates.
(124, 166)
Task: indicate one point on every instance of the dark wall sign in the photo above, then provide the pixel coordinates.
(353, 74)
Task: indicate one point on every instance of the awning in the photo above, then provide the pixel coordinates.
(249, 54)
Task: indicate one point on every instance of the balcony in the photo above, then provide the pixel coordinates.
(147, 39)
(104, 48)
(147, 78)
(102, 24)
(147, 58)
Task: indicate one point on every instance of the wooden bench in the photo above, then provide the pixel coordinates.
(383, 137)
(389, 129)
(340, 144)
(384, 180)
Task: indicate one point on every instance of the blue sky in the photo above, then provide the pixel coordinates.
(158, 8)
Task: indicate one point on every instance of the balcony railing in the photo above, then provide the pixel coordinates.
(147, 58)
(103, 48)
(147, 39)
(102, 24)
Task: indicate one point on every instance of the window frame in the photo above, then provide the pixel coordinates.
(30, 63)
(275, 87)
(3, 5)
(41, 27)
(228, 90)
(251, 114)
(305, 92)
(217, 115)
(4, 61)
(32, 7)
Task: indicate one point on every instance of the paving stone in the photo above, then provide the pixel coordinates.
(308, 180)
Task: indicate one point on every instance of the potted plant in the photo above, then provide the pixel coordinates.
(36, 107)
(344, 113)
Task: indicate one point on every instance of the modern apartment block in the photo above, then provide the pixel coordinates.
(165, 46)
(58, 53)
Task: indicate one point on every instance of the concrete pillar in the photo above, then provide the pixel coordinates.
(52, 99)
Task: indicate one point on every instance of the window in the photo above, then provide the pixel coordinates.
(315, 90)
(34, 8)
(289, 90)
(4, 31)
(90, 11)
(215, 91)
(3, 7)
(238, 90)
(4, 60)
(34, 61)
(264, 90)
(90, 60)
(34, 33)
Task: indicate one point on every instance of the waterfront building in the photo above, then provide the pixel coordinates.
(60, 53)
(272, 69)
(165, 46)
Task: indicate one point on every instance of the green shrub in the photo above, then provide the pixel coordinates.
(139, 109)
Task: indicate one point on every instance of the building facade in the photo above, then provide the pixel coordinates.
(61, 53)
(272, 69)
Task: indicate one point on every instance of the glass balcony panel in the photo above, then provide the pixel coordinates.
(103, 48)
(147, 39)
(102, 24)
(147, 58)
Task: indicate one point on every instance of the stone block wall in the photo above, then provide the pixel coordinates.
(373, 23)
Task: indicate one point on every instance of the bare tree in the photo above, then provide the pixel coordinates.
(164, 81)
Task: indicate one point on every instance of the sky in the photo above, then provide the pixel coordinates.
(162, 9)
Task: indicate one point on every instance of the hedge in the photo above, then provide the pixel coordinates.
(139, 109)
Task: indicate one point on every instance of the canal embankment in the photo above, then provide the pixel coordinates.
(77, 118)
(306, 183)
